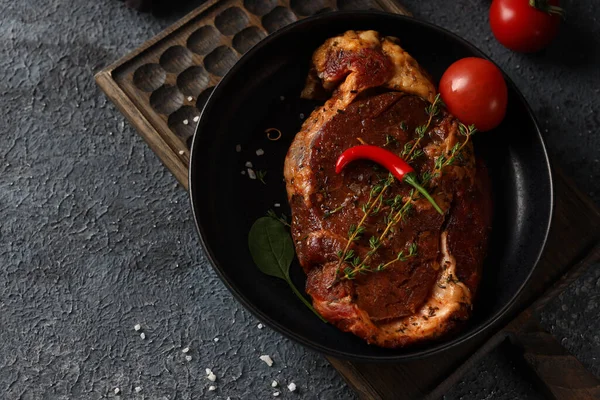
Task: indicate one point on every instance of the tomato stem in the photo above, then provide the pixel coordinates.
(545, 6)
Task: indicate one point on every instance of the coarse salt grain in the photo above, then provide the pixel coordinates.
(212, 377)
(117, 390)
(238, 148)
(274, 384)
(211, 388)
(260, 152)
(292, 387)
(138, 389)
(185, 122)
(188, 358)
(208, 371)
(185, 349)
(196, 118)
(248, 164)
(267, 360)
(143, 335)
(260, 326)
(181, 152)
(275, 394)
(216, 339)
(251, 173)
(137, 327)
(277, 205)
(190, 98)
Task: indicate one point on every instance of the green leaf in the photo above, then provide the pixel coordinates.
(271, 247)
(407, 148)
(272, 250)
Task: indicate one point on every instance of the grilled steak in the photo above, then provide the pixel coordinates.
(379, 95)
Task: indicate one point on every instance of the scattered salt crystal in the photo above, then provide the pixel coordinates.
(251, 173)
(190, 98)
(188, 358)
(196, 118)
(260, 326)
(277, 205)
(208, 371)
(238, 148)
(248, 164)
(292, 387)
(211, 388)
(216, 339)
(212, 377)
(185, 122)
(275, 394)
(117, 390)
(267, 360)
(181, 152)
(260, 152)
(137, 327)
(274, 384)
(143, 335)
(185, 349)
(138, 389)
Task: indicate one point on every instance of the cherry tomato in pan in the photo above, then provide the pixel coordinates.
(525, 25)
(475, 92)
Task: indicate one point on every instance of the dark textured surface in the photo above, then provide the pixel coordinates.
(96, 236)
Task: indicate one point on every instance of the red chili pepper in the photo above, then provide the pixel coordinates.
(396, 165)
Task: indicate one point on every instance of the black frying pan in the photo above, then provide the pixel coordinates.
(262, 91)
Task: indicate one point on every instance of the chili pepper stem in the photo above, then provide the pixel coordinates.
(411, 180)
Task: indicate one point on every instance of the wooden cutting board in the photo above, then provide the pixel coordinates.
(161, 88)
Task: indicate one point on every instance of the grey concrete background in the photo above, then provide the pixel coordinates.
(96, 235)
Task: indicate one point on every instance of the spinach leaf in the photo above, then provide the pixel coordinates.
(272, 250)
(271, 247)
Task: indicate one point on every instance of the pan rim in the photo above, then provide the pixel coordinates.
(420, 352)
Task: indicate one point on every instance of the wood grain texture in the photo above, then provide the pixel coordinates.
(558, 373)
(152, 87)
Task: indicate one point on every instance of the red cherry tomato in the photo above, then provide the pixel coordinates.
(475, 92)
(523, 27)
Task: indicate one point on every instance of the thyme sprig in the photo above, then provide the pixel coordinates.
(455, 153)
(390, 140)
(372, 207)
(361, 269)
(260, 175)
(328, 213)
(398, 211)
(410, 151)
(402, 257)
